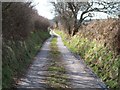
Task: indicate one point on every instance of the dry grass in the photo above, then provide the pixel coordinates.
(106, 32)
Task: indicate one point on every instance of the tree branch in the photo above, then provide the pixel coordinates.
(9, 4)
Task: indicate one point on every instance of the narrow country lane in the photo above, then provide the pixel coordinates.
(78, 74)
(36, 76)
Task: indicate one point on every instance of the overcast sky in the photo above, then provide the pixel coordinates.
(45, 8)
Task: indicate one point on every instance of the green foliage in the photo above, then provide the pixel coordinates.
(102, 60)
(17, 55)
(23, 35)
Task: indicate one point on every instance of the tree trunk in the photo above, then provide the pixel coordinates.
(69, 30)
(75, 31)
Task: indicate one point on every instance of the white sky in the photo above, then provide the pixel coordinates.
(45, 8)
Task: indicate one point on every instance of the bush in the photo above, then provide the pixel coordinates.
(21, 39)
(101, 59)
(17, 56)
(18, 26)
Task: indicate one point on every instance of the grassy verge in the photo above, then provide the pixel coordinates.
(57, 77)
(102, 60)
(17, 56)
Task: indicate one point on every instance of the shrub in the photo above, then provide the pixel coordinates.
(21, 39)
(100, 58)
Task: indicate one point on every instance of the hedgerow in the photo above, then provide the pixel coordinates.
(97, 44)
(24, 32)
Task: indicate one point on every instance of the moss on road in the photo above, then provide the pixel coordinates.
(57, 77)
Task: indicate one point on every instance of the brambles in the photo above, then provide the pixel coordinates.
(22, 38)
(19, 20)
(105, 32)
(97, 44)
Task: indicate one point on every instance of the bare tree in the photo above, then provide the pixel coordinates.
(70, 10)
(65, 16)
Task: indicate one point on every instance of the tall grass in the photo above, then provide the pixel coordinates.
(103, 61)
(23, 34)
(17, 56)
